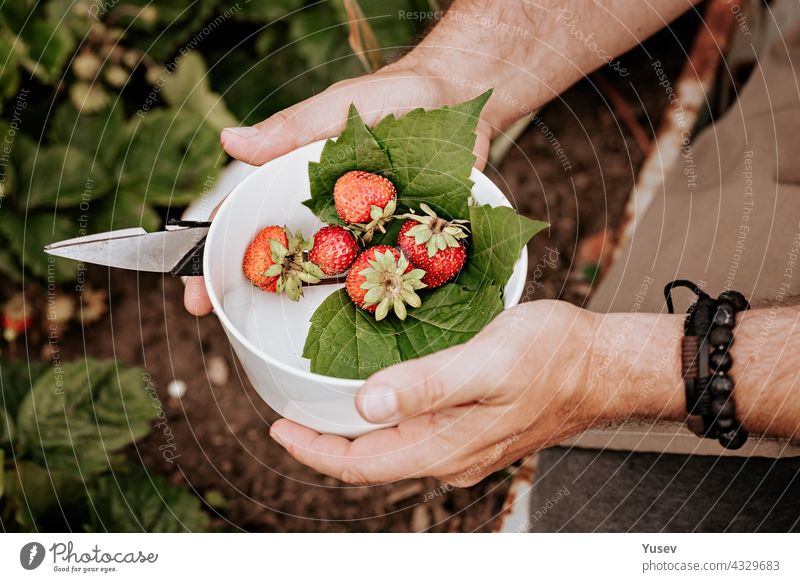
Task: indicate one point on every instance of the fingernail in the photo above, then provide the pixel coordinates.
(379, 403)
(240, 132)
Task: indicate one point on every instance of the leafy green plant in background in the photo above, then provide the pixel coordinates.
(62, 435)
(114, 109)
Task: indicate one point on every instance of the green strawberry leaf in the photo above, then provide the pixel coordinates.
(10, 73)
(99, 135)
(449, 316)
(171, 155)
(77, 417)
(347, 342)
(61, 176)
(355, 149)
(135, 501)
(431, 154)
(36, 495)
(7, 431)
(187, 88)
(124, 209)
(16, 379)
(26, 239)
(48, 48)
(498, 235)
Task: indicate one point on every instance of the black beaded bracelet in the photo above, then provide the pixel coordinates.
(706, 359)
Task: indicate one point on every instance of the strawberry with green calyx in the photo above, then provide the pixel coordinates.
(434, 245)
(365, 200)
(291, 266)
(333, 249)
(382, 279)
(258, 257)
(276, 262)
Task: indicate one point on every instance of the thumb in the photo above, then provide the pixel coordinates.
(442, 380)
(285, 131)
(318, 117)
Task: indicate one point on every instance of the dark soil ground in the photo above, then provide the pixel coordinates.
(221, 424)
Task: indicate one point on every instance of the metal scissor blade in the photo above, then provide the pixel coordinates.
(133, 248)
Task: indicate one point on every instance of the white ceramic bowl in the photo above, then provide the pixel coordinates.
(268, 331)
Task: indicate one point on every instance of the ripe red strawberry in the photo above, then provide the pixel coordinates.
(17, 317)
(258, 257)
(381, 278)
(334, 249)
(365, 199)
(276, 262)
(434, 245)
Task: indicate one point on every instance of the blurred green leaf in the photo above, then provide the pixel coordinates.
(187, 89)
(98, 135)
(33, 491)
(16, 379)
(125, 209)
(62, 177)
(171, 154)
(136, 501)
(28, 236)
(180, 22)
(268, 11)
(2, 473)
(320, 38)
(9, 74)
(8, 264)
(7, 431)
(49, 46)
(7, 173)
(78, 417)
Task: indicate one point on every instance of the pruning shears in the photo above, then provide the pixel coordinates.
(177, 250)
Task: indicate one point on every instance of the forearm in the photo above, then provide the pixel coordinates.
(530, 52)
(640, 354)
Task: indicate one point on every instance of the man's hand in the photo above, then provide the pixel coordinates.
(522, 384)
(394, 89)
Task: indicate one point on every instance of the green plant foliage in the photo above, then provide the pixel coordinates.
(431, 153)
(498, 234)
(62, 432)
(187, 89)
(169, 154)
(91, 410)
(28, 235)
(136, 501)
(124, 101)
(347, 342)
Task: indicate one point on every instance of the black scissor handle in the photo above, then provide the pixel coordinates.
(191, 265)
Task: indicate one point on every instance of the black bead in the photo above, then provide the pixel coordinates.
(733, 438)
(725, 314)
(720, 361)
(720, 336)
(723, 408)
(724, 424)
(736, 299)
(702, 316)
(721, 386)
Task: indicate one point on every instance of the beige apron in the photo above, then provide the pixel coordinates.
(728, 218)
